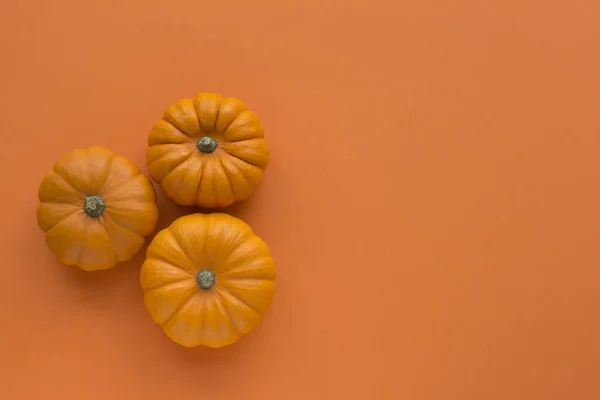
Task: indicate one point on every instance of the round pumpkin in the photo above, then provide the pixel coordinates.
(207, 151)
(96, 209)
(207, 280)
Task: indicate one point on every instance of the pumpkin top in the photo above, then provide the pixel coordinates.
(96, 208)
(207, 151)
(207, 279)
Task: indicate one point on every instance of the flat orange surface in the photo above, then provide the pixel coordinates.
(432, 201)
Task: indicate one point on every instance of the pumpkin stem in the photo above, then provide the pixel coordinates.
(207, 144)
(94, 206)
(205, 279)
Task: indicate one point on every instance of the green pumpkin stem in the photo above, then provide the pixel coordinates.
(207, 144)
(94, 206)
(206, 279)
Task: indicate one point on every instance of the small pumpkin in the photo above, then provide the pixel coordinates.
(207, 151)
(207, 279)
(96, 209)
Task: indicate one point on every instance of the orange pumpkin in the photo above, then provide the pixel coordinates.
(207, 280)
(96, 209)
(208, 151)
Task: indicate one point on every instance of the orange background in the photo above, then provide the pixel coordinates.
(432, 203)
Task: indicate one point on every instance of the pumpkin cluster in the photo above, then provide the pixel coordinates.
(207, 279)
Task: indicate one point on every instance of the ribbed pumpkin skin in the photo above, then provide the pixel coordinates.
(207, 151)
(243, 285)
(117, 230)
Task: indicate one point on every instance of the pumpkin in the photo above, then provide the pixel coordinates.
(207, 151)
(96, 209)
(207, 280)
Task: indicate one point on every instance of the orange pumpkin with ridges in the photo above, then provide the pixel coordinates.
(207, 280)
(96, 208)
(207, 151)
